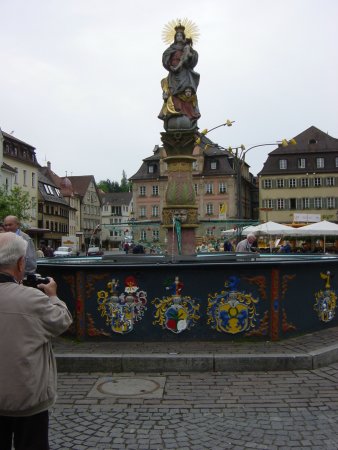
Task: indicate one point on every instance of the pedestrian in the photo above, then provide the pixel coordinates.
(29, 318)
(246, 244)
(12, 223)
(227, 246)
(39, 253)
(285, 248)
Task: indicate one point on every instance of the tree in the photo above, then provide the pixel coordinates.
(108, 186)
(125, 184)
(114, 186)
(17, 203)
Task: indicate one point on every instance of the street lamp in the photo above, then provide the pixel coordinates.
(227, 123)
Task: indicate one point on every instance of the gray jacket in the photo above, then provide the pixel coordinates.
(28, 321)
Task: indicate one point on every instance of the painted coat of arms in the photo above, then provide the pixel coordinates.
(231, 311)
(175, 312)
(122, 309)
(325, 300)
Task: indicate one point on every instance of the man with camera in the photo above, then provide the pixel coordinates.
(29, 318)
(12, 223)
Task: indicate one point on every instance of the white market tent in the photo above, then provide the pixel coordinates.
(270, 228)
(323, 228)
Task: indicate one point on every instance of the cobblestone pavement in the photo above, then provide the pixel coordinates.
(249, 410)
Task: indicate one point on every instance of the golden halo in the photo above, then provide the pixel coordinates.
(190, 31)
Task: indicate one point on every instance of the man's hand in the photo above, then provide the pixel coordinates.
(49, 288)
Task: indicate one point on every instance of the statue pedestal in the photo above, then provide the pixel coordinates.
(188, 242)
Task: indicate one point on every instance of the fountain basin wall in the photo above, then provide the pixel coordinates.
(216, 297)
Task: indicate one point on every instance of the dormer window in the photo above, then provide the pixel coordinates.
(213, 165)
(152, 168)
(320, 163)
(283, 164)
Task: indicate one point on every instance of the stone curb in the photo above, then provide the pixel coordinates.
(196, 362)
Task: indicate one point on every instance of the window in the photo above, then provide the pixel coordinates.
(293, 203)
(210, 232)
(280, 183)
(213, 165)
(336, 161)
(155, 211)
(195, 165)
(222, 188)
(268, 203)
(155, 190)
(280, 203)
(196, 188)
(210, 208)
(317, 182)
(151, 168)
(292, 183)
(267, 184)
(143, 235)
(142, 191)
(142, 211)
(318, 202)
(209, 188)
(25, 177)
(57, 192)
(33, 179)
(156, 235)
(304, 182)
(106, 208)
(330, 181)
(320, 163)
(16, 176)
(331, 202)
(301, 163)
(283, 164)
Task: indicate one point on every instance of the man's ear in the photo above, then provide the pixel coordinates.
(21, 264)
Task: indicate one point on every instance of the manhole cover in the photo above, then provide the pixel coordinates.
(145, 387)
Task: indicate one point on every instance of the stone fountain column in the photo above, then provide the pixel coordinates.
(180, 199)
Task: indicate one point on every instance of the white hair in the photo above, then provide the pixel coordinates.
(12, 247)
(251, 235)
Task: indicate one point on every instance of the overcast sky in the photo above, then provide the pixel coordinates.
(80, 79)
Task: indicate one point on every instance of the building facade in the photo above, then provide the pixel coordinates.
(53, 213)
(223, 186)
(116, 218)
(20, 168)
(299, 183)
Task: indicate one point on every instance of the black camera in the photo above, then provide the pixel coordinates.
(33, 279)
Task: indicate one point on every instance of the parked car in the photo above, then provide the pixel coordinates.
(64, 252)
(94, 251)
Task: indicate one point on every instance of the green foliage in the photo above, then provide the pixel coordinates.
(125, 185)
(17, 203)
(113, 186)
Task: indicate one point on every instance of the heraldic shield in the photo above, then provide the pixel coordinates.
(122, 310)
(231, 311)
(325, 300)
(174, 312)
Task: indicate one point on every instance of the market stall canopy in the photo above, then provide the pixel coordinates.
(323, 228)
(270, 228)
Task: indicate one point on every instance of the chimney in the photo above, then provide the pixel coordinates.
(49, 165)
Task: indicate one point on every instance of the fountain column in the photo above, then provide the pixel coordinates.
(180, 113)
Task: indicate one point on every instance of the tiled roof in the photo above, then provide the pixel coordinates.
(116, 198)
(310, 144)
